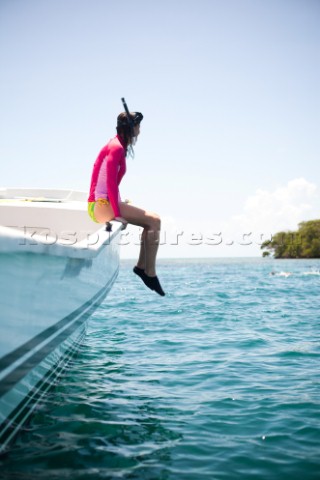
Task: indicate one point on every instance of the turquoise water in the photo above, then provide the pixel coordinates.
(218, 380)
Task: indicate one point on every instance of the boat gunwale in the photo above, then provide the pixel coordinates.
(16, 241)
(17, 238)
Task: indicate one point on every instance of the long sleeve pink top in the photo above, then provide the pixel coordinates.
(108, 171)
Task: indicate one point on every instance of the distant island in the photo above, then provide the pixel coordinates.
(303, 243)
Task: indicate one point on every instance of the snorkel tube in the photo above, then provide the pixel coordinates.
(126, 122)
(130, 121)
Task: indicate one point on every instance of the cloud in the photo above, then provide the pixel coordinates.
(264, 213)
(281, 209)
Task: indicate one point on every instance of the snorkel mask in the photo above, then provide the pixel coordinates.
(131, 120)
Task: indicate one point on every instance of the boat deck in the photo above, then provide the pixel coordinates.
(57, 218)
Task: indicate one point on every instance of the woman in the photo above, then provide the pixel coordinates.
(105, 203)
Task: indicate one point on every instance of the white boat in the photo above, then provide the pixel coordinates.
(56, 267)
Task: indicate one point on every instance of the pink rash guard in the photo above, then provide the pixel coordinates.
(108, 171)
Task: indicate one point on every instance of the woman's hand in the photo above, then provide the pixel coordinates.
(123, 221)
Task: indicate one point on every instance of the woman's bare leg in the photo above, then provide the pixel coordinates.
(142, 257)
(150, 238)
(146, 266)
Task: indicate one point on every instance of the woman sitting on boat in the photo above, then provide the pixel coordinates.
(104, 202)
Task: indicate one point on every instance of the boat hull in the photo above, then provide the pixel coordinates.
(47, 293)
(55, 314)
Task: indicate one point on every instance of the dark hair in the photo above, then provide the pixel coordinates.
(125, 128)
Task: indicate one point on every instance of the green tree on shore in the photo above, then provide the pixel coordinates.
(303, 243)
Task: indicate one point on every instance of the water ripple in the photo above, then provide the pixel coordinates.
(219, 380)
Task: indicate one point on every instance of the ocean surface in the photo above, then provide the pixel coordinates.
(217, 380)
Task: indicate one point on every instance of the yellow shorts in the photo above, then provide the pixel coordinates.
(91, 205)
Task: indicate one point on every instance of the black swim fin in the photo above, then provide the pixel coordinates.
(151, 282)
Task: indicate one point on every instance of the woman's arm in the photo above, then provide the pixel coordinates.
(115, 157)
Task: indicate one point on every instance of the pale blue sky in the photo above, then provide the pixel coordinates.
(229, 90)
